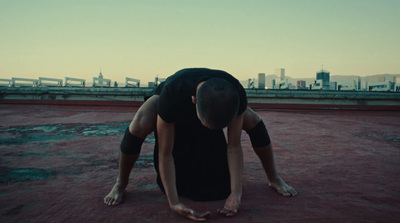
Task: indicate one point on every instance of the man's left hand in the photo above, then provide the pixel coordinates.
(231, 206)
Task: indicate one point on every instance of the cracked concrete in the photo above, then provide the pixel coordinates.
(58, 162)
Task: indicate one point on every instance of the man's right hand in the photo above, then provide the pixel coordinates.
(182, 210)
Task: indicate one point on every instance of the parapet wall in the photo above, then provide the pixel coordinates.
(266, 99)
(325, 99)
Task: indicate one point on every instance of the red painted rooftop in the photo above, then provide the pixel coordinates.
(58, 162)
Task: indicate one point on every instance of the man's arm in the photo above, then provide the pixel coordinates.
(166, 136)
(235, 162)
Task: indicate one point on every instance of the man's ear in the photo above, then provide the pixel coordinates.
(193, 99)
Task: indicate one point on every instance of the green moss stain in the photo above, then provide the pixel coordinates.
(13, 176)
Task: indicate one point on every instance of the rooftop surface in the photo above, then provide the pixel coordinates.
(58, 162)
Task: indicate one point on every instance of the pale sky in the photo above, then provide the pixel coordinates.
(142, 39)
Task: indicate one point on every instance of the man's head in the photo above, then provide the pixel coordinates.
(217, 103)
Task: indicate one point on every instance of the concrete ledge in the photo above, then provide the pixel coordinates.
(270, 106)
(254, 106)
(104, 103)
(261, 99)
(321, 94)
(75, 93)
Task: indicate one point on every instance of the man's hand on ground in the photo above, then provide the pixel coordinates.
(231, 206)
(182, 210)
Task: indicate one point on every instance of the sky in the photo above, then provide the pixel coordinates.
(145, 39)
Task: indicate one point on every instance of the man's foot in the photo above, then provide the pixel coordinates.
(282, 188)
(115, 196)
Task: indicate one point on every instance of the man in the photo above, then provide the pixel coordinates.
(192, 158)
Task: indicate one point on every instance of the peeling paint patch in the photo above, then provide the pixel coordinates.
(379, 136)
(28, 134)
(144, 162)
(12, 176)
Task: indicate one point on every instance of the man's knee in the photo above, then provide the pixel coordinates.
(131, 144)
(259, 136)
(145, 119)
(142, 125)
(251, 119)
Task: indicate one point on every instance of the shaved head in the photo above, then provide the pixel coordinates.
(217, 103)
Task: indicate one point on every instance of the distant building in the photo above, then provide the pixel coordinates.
(159, 80)
(284, 84)
(101, 82)
(333, 86)
(100, 78)
(251, 83)
(273, 84)
(261, 80)
(301, 85)
(280, 72)
(379, 86)
(74, 82)
(397, 84)
(381, 79)
(347, 86)
(6, 82)
(152, 84)
(132, 82)
(359, 84)
(317, 85)
(325, 77)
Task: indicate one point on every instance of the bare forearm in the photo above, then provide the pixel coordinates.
(235, 162)
(166, 135)
(167, 173)
(235, 155)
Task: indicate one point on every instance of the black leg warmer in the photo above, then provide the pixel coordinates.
(131, 145)
(259, 136)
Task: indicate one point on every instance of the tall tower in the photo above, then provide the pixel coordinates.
(325, 77)
(101, 74)
(100, 78)
(261, 80)
(280, 72)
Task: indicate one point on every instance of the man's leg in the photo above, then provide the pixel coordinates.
(143, 123)
(262, 146)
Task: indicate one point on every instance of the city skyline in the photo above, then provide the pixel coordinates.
(268, 80)
(146, 39)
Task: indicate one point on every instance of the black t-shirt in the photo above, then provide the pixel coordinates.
(198, 151)
(175, 102)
